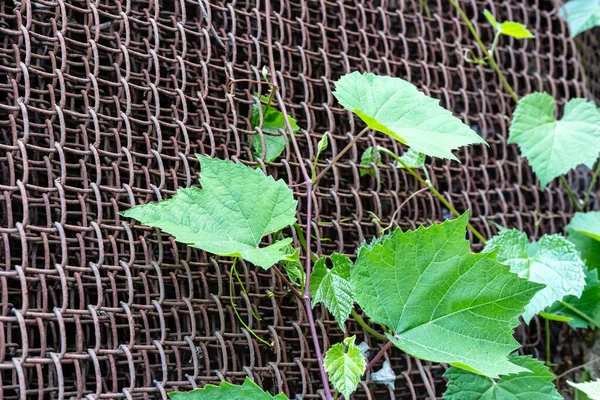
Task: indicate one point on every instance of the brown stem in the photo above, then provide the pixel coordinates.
(307, 180)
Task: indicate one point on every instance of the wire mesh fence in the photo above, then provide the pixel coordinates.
(103, 105)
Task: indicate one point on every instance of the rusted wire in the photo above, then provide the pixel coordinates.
(103, 105)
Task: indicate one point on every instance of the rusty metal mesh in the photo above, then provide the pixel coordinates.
(103, 105)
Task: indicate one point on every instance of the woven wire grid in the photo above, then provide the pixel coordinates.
(103, 105)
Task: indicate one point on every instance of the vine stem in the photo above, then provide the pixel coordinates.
(435, 192)
(548, 356)
(579, 313)
(372, 363)
(572, 196)
(339, 156)
(360, 321)
(308, 182)
(484, 50)
(592, 184)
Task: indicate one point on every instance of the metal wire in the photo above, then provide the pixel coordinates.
(103, 105)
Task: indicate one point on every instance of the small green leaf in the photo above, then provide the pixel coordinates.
(554, 147)
(515, 30)
(332, 287)
(345, 364)
(581, 15)
(491, 19)
(323, 143)
(293, 267)
(236, 207)
(273, 122)
(581, 310)
(412, 159)
(226, 391)
(367, 158)
(552, 261)
(442, 302)
(591, 389)
(533, 384)
(395, 107)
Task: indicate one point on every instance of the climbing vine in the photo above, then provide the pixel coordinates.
(424, 291)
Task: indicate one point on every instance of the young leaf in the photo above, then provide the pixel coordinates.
(293, 267)
(552, 261)
(227, 391)
(236, 207)
(515, 29)
(412, 159)
(332, 287)
(367, 158)
(581, 15)
(582, 310)
(323, 143)
(273, 121)
(345, 365)
(591, 389)
(533, 384)
(442, 302)
(554, 147)
(491, 19)
(395, 107)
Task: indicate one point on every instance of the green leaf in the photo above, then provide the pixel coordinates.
(581, 310)
(323, 143)
(367, 158)
(515, 30)
(581, 15)
(591, 389)
(442, 302)
(586, 223)
(552, 261)
(236, 207)
(584, 232)
(554, 147)
(345, 364)
(332, 286)
(533, 384)
(395, 107)
(412, 159)
(273, 121)
(226, 391)
(491, 19)
(293, 267)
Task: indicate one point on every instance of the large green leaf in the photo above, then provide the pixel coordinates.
(534, 384)
(591, 389)
(236, 207)
(332, 286)
(552, 261)
(581, 15)
(586, 223)
(273, 122)
(442, 302)
(584, 232)
(554, 147)
(395, 107)
(580, 310)
(345, 364)
(226, 391)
